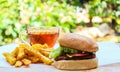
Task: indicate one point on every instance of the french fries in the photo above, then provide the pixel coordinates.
(39, 55)
(34, 59)
(21, 53)
(18, 64)
(42, 49)
(26, 62)
(25, 55)
(15, 52)
(11, 59)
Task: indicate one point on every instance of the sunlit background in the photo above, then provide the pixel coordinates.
(97, 19)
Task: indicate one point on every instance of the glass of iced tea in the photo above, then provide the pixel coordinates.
(42, 35)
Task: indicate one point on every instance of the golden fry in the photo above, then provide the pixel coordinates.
(45, 46)
(24, 45)
(15, 52)
(21, 53)
(39, 55)
(9, 58)
(28, 54)
(18, 64)
(34, 59)
(45, 53)
(38, 46)
(44, 49)
(25, 55)
(26, 62)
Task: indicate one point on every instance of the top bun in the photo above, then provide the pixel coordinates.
(79, 42)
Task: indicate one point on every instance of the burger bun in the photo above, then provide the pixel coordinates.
(76, 64)
(79, 42)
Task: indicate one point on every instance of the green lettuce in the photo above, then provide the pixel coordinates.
(58, 51)
(55, 52)
(69, 50)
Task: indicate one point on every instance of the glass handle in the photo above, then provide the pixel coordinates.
(21, 37)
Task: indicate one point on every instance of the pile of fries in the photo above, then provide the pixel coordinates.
(25, 55)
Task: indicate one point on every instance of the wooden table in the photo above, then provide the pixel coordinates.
(108, 56)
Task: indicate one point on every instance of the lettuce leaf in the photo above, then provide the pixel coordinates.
(55, 52)
(58, 51)
(69, 50)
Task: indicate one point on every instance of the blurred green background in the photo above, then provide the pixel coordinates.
(15, 14)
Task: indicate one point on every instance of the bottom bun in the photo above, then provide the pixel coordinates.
(76, 64)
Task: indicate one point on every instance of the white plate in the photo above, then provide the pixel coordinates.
(108, 53)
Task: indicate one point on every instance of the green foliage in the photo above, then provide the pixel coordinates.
(106, 9)
(14, 14)
(49, 14)
(8, 20)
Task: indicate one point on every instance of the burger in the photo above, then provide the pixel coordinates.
(76, 52)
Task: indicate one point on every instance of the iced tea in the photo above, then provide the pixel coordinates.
(43, 37)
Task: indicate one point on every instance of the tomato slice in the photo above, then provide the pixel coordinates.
(77, 54)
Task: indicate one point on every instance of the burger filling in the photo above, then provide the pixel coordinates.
(64, 53)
